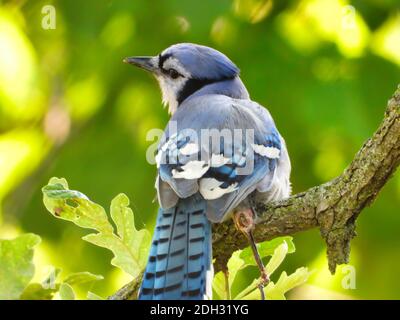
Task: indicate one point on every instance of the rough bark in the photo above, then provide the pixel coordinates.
(333, 207)
(128, 291)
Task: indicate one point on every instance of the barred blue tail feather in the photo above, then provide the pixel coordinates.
(180, 260)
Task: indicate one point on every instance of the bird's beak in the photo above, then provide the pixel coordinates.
(146, 63)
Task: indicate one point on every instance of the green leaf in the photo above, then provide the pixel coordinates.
(93, 296)
(36, 291)
(243, 258)
(48, 288)
(235, 264)
(51, 277)
(285, 283)
(218, 285)
(74, 206)
(247, 290)
(66, 292)
(129, 245)
(266, 248)
(278, 256)
(137, 240)
(16, 267)
(44, 290)
(79, 278)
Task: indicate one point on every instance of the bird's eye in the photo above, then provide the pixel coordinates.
(173, 73)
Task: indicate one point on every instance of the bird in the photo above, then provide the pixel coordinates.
(220, 154)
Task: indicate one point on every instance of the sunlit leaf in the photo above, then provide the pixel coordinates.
(285, 283)
(266, 249)
(66, 292)
(277, 291)
(129, 245)
(277, 248)
(74, 206)
(48, 288)
(36, 291)
(219, 286)
(250, 288)
(277, 258)
(93, 296)
(44, 290)
(235, 263)
(51, 277)
(16, 267)
(280, 251)
(82, 278)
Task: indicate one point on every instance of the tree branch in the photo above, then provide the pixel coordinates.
(333, 207)
(129, 291)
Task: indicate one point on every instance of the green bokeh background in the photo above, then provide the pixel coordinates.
(70, 108)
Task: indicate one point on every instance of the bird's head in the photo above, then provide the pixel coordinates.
(185, 68)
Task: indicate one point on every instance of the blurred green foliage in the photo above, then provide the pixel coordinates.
(69, 107)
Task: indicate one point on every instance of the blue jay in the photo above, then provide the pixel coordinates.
(207, 180)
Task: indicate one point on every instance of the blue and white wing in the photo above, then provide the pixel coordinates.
(265, 153)
(223, 174)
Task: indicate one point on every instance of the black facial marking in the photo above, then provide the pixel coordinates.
(193, 85)
(161, 60)
(170, 72)
(190, 87)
